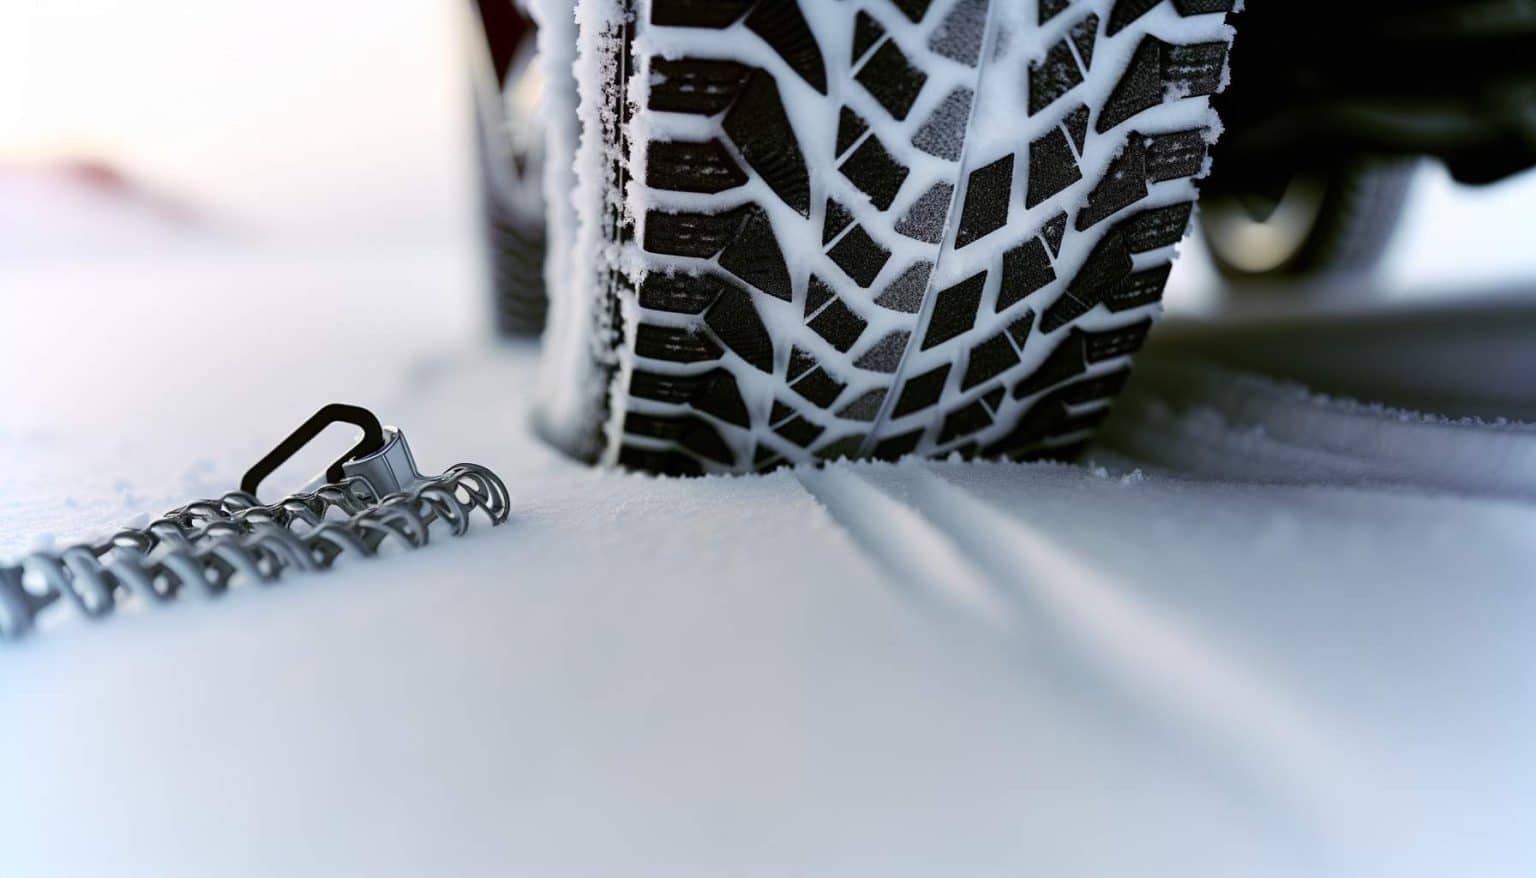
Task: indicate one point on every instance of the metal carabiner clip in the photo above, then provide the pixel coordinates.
(380, 457)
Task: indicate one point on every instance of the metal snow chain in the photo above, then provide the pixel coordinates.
(372, 495)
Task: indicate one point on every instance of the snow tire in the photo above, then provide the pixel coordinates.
(874, 228)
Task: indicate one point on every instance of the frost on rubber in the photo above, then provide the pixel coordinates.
(882, 227)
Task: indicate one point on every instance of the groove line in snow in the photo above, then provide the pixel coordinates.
(904, 544)
(1153, 658)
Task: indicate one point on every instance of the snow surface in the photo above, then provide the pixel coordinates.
(1286, 654)
(1164, 661)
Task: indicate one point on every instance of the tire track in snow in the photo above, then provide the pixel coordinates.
(1154, 660)
(1200, 418)
(897, 538)
(960, 550)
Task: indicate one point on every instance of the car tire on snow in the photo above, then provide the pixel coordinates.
(1336, 222)
(834, 229)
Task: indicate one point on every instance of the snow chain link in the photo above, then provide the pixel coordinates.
(212, 544)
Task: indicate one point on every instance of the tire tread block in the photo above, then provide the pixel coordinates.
(761, 130)
(735, 321)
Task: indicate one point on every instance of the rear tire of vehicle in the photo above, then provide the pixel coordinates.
(509, 153)
(1326, 224)
(514, 246)
(827, 229)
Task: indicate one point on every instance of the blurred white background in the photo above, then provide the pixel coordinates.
(348, 120)
(345, 119)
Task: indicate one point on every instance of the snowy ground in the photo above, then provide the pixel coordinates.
(1267, 635)
(1263, 632)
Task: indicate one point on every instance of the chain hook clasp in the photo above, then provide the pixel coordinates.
(373, 440)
